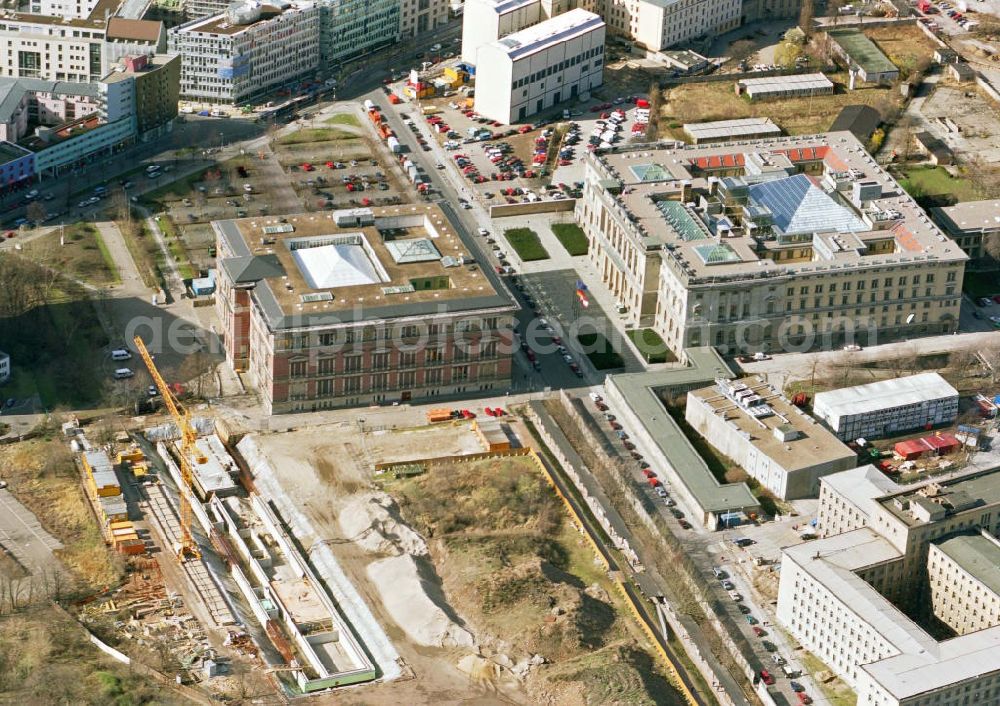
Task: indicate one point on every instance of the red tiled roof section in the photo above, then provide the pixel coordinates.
(906, 239)
(137, 30)
(718, 161)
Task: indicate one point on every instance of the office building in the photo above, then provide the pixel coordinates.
(418, 17)
(528, 71)
(971, 224)
(247, 51)
(888, 407)
(860, 599)
(144, 89)
(359, 307)
(848, 500)
(654, 25)
(776, 443)
(790, 243)
(353, 28)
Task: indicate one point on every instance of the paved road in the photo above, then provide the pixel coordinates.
(23, 536)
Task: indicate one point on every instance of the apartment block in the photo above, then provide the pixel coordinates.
(529, 71)
(888, 407)
(249, 50)
(790, 243)
(359, 307)
(143, 88)
(779, 445)
(964, 574)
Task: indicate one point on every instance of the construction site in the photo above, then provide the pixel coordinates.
(424, 560)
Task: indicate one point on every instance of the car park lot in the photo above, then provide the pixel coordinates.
(346, 171)
(520, 163)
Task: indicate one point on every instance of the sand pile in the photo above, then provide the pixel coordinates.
(372, 521)
(406, 596)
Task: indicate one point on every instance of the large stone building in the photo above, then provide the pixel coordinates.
(252, 48)
(359, 307)
(786, 243)
(863, 600)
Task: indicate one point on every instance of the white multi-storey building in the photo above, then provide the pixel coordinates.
(4, 367)
(250, 49)
(658, 24)
(528, 71)
(485, 21)
(891, 558)
(887, 407)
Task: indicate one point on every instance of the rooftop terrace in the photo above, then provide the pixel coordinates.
(405, 260)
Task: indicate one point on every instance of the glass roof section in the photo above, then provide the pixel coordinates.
(799, 206)
(682, 221)
(716, 253)
(650, 172)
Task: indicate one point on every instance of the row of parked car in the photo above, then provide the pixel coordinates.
(655, 485)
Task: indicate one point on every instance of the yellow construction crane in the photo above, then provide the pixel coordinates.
(187, 547)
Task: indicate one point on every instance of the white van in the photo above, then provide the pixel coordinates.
(123, 373)
(120, 354)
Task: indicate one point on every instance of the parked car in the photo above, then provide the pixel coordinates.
(766, 677)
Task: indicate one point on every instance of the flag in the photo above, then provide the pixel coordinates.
(581, 286)
(582, 296)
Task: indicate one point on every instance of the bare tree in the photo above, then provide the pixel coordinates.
(807, 17)
(36, 212)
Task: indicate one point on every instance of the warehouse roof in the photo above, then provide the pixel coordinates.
(862, 51)
(731, 129)
(780, 84)
(883, 394)
(556, 30)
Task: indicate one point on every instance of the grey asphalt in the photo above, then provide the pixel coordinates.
(23, 536)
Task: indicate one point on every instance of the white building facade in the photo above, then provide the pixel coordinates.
(486, 21)
(539, 67)
(249, 50)
(4, 367)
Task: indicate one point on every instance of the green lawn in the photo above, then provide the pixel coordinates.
(937, 184)
(572, 237)
(343, 119)
(308, 135)
(600, 351)
(526, 244)
(652, 347)
(981, 284)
